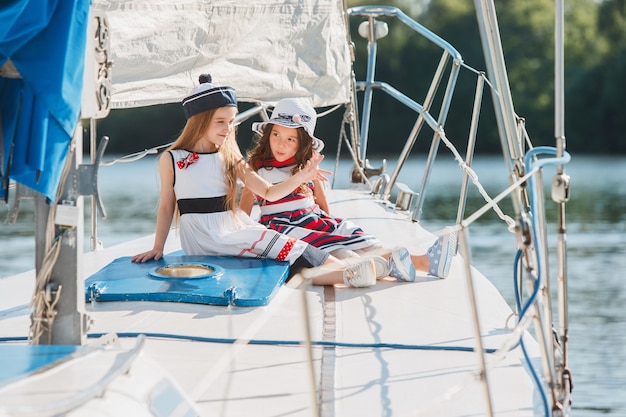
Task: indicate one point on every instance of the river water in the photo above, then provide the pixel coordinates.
(596, 241)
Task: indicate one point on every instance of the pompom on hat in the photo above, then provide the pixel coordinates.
(293, 112)
(208, 96)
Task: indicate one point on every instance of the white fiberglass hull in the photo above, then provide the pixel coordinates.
(391, 349)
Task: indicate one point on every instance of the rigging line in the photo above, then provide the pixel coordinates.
(479, 73)
(356, 162)
(494, 201)
(42, 304)
(523, 309)
(524, 321)
(43, 314)
(472, 174)
(497, 355)
(536, 380)
(342, 136)
(135, 156)
(328, 111)
(524, 316)
(13, 310)
(531, 159)
(379, 345)
(270, 342)
(346, 120)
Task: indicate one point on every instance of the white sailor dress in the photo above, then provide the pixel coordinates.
(297, 215)
(207, 228)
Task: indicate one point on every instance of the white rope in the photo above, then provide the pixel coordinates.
(42, 304)
(355, 158)
(474, 177)
(44, 313)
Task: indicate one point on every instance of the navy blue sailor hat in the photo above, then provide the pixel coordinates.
(208, 96)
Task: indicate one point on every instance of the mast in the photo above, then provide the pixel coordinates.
(59, 316)
(560, 193)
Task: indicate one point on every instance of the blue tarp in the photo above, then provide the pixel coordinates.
(19, 360)
(45, 41)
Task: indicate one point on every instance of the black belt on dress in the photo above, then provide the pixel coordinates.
(202, 205)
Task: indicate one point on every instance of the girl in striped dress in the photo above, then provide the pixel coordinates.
(283, 145)
(199, 174)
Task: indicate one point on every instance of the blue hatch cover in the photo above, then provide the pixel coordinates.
(217, 280)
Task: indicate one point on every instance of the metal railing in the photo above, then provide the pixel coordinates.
(529, 224)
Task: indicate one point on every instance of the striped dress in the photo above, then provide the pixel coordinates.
(298, 216)
(207, 228)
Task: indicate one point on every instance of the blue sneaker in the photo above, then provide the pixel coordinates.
(400, 265)
(440, 254)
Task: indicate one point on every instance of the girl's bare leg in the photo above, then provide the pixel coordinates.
(333, 272)
(420, 262)
(344, 253)
(330, 273)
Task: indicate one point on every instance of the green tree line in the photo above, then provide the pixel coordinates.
(595, 65)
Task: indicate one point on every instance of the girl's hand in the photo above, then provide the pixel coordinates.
(312, 171)
(148, 256)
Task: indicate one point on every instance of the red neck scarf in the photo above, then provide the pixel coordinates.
(275, 164)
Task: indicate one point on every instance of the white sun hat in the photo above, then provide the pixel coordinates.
(293, 112)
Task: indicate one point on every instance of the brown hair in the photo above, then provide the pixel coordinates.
(262, 152)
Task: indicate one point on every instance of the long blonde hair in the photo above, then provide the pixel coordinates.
(193, 131)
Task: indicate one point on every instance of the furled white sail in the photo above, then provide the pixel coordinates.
(266, 49)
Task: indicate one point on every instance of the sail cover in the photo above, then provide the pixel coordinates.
(265, 49)
(42, 52)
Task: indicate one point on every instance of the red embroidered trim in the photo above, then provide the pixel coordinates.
(284, 252)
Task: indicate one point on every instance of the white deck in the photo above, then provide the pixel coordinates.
(274, 380)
